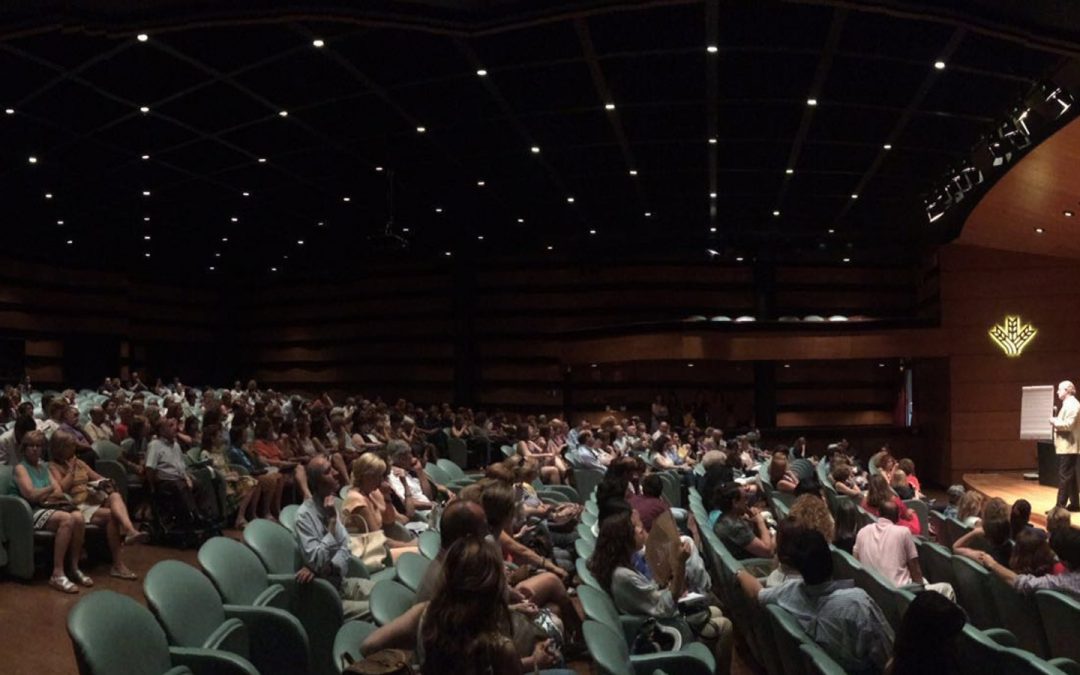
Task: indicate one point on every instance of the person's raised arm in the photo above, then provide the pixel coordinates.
(962, 546)
(762, 545)
(398, 634)
(27, 489)
(915, 570)
(749, 584)
(996, 568)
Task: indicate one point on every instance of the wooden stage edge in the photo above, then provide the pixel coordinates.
(1012, 486)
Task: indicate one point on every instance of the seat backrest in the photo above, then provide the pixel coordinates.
(818, 662)
(453, 470)
(845, 566)
(411, 568)
(586, 480)
(112, 633)
(436, 474)
(430, 543)
(883, 593)
(236, 571)
(584, 548)
(1019, 613)
(107, 450)
(288, 516)
(672, 486)
(1061, 616)
(348, 640)
(184, 601)
(954, 529)
(936, 562)
(389, 600)
(585, 532)
(598, 606)
(922, 512)
(586, 576)
(788, 636)
(275, 546)
(608, 649)
(457, 451)
(973, 592)
(978, 652)
(937, 523)
(7, 479)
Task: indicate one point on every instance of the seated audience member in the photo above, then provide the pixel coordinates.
(292, 472)
(99, 504)
(1066, 544)
(461, 518)
(666, 455)
(799, 449)
(717, 472)
(528, 448)
(168, 471)
(848, 522)
(588, 455)
(991, 536)
(34, 482)
(1032, 554)
(740, 528)
(650, 503)
(11, 440)
(901, 486)
(969, 508)
(54, 413)
(1058, 518)
(785, 570)
(811, 511)
(621, 535)
(955, 494)
(926, 641)
(843, 620)
(98, 428)
(879, 493)
(907, 465)
(890, 549)
(407, 479)
(70, 425)
(1019, 517)
(368, 507)
(324, 543)
(780, 476)
(843, 481)
(241, 489)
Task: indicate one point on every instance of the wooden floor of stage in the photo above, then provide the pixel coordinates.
(1013, 486)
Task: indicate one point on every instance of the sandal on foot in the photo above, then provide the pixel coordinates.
(82, 578)
(136, 538)
(123, 574)
(63, 584)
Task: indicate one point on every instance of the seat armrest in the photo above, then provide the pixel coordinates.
(1069, 666)
(631, 624)
(230, 636)
(279, 642)
(17, 529)
(683, 662)
(278, 594)
(1002, 637)
(211, 662)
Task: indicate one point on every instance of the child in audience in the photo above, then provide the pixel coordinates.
(901, 486)
(955, 493)
(969, 509)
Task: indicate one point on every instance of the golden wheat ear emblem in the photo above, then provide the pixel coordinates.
(1012, 335)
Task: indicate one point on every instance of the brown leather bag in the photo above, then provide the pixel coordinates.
(385, 662)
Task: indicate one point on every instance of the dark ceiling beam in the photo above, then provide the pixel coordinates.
(932, 77)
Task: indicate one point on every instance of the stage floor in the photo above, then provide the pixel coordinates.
(1012, 486)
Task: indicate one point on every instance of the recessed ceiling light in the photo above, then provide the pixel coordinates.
(592, 231)
(521, 220)
(787, 365)
(145, 157)
(217, 254)
(712, 195)
(609, 106)
(145, 193)
(317, 43)
(648, 214)
(224, 240)
(438, 209)
(378, 168)
(9, 111)
(142, 37)
(832, 231)
(712, 49)
(480, 237)
(234, 219)
(321, 224)
(811, 101)
(712, 141)
(273, 269)
(789, 171)
(283, 113)
(421, 130)
(712, 229)
(144, 110)
(569, 200)
(299, 242)
(1068, 214)
(939, 65)
(847, 259)
(32, 159)
(262, 160)
(404, 229)
(146, 237)
(59, 222)
(481, 183)
(481, 72)
(70, 242)
(284, 257)
(246, 194)
(1039, 230)
(887, 146)
(535, 149)
(147, 254)
(776, 213)
(212, 268)
(346, 199)
(48, 195)
(633, 172)
(446, 253)
(550, 248)
(146, 219)
(854, 196)
(739, 259)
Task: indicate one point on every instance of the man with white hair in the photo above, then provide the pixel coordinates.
(1065, 425)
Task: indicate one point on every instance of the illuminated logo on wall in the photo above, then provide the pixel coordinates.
(1012, 336)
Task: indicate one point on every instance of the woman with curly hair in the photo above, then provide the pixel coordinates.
(811, 512)
(878, 493)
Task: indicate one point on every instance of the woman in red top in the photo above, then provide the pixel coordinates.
(268, 450)
(879, 492)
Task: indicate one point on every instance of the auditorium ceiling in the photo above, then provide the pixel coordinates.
(177, 141)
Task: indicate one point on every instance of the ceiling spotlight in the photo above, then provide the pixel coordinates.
(521, 220)
(712, 252)
(421, 130)
(776, 213)
(70, 242)
(712, 195)
(217, 254)
(551, 248)
(887, 146)
(832, 231)
(847, 260)
(633, 172)
(224, 240)
(939, 65)
(481, 183)
(592, 231)
(246, 194)
(438, 209)
(535, 149)
(481, 72)
(1068, 214)
(648, 214)
(48, 195)
(346, 199)
(739, 259)
(404, 229)
(1039, 230)
(283, 113)
(146, 219)
(59, 222)
(609, 106)
(262, 160)
(212, 268)
(273, 269)
(142, 37)
(446, 253)
(284, 257)
(854, 196)
(144, 110)
(32, 159)
(147, 254)
(9, 111)
(317, 43)
(145, 193)
(789, 171)
(569, 200)
(712, 230)
(379, 169)
(480, 237)
(321, 224)
(811, 101)
(234, 219)
(712, 49)
(712, 141)
(145, 157)
(146, 237)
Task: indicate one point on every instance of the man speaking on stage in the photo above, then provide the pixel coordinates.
(1065, 445)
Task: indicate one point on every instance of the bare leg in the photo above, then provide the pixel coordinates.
(60, 522)
(267, 488)
(300, 476)
(548, 589)
(105, 517)
(275, 508)
(78, 535)
(119, 510)
(339, 465)
(549, 475)
(242, 507)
